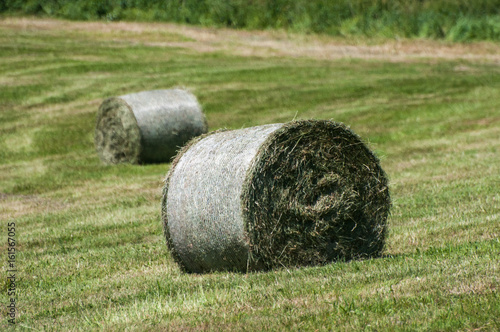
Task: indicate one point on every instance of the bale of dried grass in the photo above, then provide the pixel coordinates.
(147, 127)
(295, 194)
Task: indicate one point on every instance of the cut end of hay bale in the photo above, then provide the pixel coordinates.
(117, 135)
(297, 194)
(314, 195)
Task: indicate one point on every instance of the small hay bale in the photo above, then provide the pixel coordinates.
(147, 127)
(296, 194)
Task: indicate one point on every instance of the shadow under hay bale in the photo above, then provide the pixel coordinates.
(147, 127)
(295, 194)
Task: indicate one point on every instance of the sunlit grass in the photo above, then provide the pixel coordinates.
(91, 249)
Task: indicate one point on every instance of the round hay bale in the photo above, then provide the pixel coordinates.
(147, 127)
(295, 194)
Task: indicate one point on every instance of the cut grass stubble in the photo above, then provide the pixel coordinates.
(90, 242)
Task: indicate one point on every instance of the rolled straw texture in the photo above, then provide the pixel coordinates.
(147, 127)
(295, 194)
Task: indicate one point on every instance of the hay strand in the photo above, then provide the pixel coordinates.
(295, 194)
(147, 127)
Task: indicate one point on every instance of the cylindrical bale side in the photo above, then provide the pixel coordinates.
(295, 194)
(147, 127)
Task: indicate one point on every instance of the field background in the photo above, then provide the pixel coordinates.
(91, 254)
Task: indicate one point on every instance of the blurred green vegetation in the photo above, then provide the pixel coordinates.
(455, 20)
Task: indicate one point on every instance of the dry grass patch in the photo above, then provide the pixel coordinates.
(264, 43)
(13, 207)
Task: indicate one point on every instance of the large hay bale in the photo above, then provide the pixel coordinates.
(147, 127)
(295, 194)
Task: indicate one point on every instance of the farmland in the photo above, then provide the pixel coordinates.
(90, 253)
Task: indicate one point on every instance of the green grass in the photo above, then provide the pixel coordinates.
(91, 254)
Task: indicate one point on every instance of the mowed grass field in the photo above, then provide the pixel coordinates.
(90, 249)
